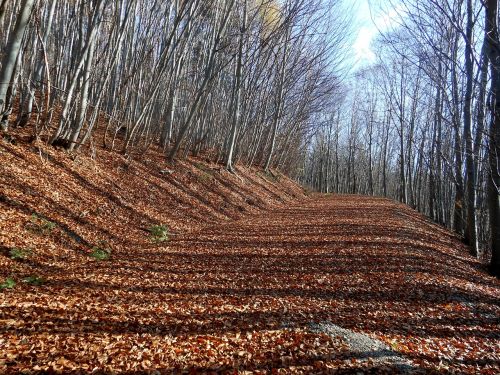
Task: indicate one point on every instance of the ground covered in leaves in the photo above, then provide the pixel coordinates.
(251, 268)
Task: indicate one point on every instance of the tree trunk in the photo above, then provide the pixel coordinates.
(458, 223)
(11, 55)
(494, 143)
(208, 76)
(235, 110)
(39, 69)
(278, 102)
(471, 229)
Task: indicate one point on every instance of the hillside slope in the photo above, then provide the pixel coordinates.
(61, 206)
(342, 284)
(319, 285)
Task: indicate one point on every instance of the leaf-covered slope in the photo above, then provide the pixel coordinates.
(115, 201)
(233, 295)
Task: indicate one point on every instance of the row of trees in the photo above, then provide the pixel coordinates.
(424, 122)
(240, 79)
(254, 81)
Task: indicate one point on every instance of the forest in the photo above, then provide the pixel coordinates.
(149, 146)
(264, 83)
(422, 123)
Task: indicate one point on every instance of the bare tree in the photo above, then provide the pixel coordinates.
(10, 59)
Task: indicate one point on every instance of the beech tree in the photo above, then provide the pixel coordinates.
(241, 80)
(265, 83)
(425, 141)
(10, 60)
(493, 37)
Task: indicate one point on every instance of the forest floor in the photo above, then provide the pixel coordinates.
(255, 277)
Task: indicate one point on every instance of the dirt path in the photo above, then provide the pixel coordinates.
(299, 289)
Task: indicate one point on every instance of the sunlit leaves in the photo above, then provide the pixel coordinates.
(227, 295)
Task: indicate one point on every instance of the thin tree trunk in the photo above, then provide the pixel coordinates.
(471, 229)
(208, 76)
(494, 149)
(236, 112)
(39, 69)
(82, 113)
(11, 57)
(279, 103)
(63, 123)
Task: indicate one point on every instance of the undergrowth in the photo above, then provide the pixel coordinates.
(34, 280)
(101, 252)
(20, 254)
(40, 225)
(9, 283)
(159, 233)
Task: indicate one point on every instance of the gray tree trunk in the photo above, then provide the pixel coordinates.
(279, 102)
(39, 70)
(471, 229)
(10, 58)
(236, 112)
(494, 149)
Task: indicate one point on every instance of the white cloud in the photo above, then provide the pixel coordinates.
(371, 24)
(363, 45)
(389, 18)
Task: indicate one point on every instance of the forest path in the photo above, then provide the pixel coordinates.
(250, 294)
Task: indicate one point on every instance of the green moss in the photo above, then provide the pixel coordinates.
(159, 233)
(9, 283)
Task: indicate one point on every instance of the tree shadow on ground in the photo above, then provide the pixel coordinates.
(369, 269)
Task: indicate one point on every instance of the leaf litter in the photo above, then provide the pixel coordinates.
(255, 277)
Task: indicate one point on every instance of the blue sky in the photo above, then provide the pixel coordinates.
(372, 17)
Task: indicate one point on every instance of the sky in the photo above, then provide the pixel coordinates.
(372, 17)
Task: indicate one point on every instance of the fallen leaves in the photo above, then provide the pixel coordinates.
(230, 296)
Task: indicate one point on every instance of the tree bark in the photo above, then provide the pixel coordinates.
(278, 102)
(494, 145)
(235, 111)
(10, 58)
(471, 229)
